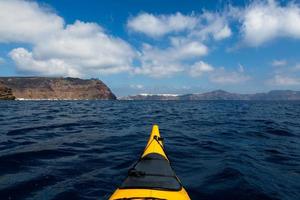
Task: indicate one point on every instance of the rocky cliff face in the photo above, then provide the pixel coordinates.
(5, 92)
(57, 88)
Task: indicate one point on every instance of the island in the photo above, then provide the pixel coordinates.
(278, 95)
(53, 88)
(67, 88)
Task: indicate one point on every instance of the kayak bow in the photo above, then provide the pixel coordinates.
(152, 176)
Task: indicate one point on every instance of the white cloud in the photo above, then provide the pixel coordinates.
(213, 25)
(201, 26)
(85, 45)
(183, 48)
(157, 68)
(200, 68)
(26, 21)
(264, 21)
(160, 25)
(224, 32)
(223, 76)
(279, 63)
(187, 34)
(284, 80)
(83, 49)
(80, 49)
(158, 62)
(25, 61)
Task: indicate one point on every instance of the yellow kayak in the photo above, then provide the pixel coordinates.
(152, 176)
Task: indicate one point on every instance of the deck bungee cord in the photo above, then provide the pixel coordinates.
(152, 176)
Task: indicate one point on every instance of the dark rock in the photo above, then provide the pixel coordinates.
(5, 92)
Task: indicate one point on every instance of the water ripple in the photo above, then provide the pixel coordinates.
(83, 149)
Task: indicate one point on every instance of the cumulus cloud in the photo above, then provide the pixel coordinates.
(200, 68)
(80, 49)
(187, 35)
(160, 25)
(260, 22)
(201, 26)
(184, 49)
(26, 21)
(25, 61)
(213, 25)
(158, 62)
(83, 49)
(263, 21)
(86, 47)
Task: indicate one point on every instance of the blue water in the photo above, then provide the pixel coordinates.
(83, 149)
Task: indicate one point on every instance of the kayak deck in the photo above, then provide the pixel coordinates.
(152, 172)
(152, 177)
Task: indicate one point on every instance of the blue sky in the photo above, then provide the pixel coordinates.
(152, 46)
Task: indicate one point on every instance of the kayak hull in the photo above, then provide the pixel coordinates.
(152, 176)
(146, 193)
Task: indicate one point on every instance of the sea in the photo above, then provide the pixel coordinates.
(83, 149)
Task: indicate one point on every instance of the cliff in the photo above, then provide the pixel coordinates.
(5, 92)
(277, 95)
(57, 88)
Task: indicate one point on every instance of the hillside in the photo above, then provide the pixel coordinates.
(57, 88)
(221, 95)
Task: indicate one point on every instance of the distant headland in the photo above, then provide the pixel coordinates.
(59, 88)
(278, 95)
(50, 88)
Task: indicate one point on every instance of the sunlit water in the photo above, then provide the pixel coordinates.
(83, 149)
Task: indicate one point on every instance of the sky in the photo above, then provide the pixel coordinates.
(155, 46)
